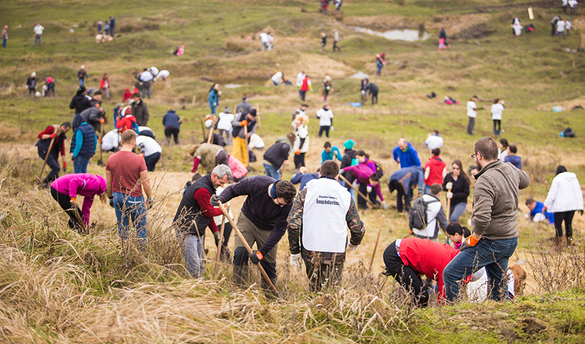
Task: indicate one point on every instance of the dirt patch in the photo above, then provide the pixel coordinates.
(478, 31)
(567, 104)
(533, 325)
(318, 66)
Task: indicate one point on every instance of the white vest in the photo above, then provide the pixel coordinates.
(324, 213)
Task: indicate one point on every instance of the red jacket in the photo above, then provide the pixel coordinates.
(125, 123)
(306, 86)
(436, 171)
(127, 95)
(49, 130)
(427, 258)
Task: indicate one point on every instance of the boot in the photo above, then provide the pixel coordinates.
(558, 243)
(569, 241)
(240, 277)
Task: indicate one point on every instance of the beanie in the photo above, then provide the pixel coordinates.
(348, 144)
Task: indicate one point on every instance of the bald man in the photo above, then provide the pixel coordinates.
(405, 154)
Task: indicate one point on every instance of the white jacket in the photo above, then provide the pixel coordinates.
(497, 110)
(434, 212)
(565, 194)
(225, 121)
(302, 132)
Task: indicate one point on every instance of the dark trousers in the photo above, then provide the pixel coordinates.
(406, 276)
(335, 45)
(324, 129)
(299, 160)
(50, 89)
(53, 163)
(303, 93)
(151, 161)
(323, 275)
(174, 132)
(498, 124)
(400, 194)
(470, 125)
(221, 158)
(375, 96)
(65, 203)
(567, 217)
(32, 91)
(554, 29)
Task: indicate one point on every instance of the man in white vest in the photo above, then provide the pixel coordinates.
(317, 228)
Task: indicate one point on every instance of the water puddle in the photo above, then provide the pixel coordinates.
(397, 35)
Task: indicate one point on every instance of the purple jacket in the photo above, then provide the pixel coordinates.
(363, 172)
(84, 184)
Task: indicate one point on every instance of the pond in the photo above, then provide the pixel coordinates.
(396, 35)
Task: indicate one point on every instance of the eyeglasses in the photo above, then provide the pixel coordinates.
(473, 155)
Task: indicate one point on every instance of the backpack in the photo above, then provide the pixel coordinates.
(135, 128)
(379, 170)
(417, 218)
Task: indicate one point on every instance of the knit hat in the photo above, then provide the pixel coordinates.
(253, 112)
(348, 144)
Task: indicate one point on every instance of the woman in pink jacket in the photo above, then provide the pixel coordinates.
(65, 190)
(365, 173)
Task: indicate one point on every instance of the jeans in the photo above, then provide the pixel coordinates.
(4, 41)
(37, 39)
(427, 189)
(146, 90)
(212, 109)
(80, 164)
(53, 163)
(127, 206)
(470, 125)
(498, 123)
(81, 82)
(379, 70)
(566, 216)
(193, 254)
(228, 135)
(491, 254)
(303, 94)
(456, 210)
(151, 161)
(324, 129)
(51, 89)
(271, 171)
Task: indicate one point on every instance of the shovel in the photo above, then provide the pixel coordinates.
(100, 161)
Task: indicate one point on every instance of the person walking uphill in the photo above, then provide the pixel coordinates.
(213, 97)
(195, 214)
(140, 110)
(172, 123)
(563, 199)
(494, 220)
(84, 143)
(82, 76)
(52, 141)
(65, 190)
(4, 36)
(38, 30)
(240, 121)
(405, 154)
(80, 102)
(305, 86)
(263, 220)
(317, 228)
(126, 176)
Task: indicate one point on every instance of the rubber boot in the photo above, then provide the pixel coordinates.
(558, 243)
(268, 292)
(240, 277)
(569, 242)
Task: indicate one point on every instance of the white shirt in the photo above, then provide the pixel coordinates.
(497, 110)
(162, 74)
(277, 78)
(153, 70)
(146, 76)
(39, 29)
(336, 36)
(434, 141)
(572, 3)
(503, 154)
(568, 25)
(300, 78)
(110, 140)
(148, 145)
(565, 2)
(225, 121)
(470, 109)
(561, 26)
(263, 37)
(256, 142)
(433, 208)
(325, 117)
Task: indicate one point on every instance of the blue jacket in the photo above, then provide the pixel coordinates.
(408, 176)
(538, 209)
(84, 141)
(304, 178)
(171, 120)
(408, 158)
(514, 160)
(330, 156)
(213, 98)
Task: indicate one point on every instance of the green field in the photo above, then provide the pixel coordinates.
(56, 286)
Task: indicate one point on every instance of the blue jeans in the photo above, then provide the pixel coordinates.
(145, 91)
(491, 254)
(81, 82)
(80, 164)
(129, 206)
(193, 254)
(37, 39)
(271, 171)
(379, 70)
(427, 189)
(4, 41)
(212, 108)
(456, 211)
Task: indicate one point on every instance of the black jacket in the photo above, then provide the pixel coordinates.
(460, 188)
(277, 153)
(80, 103)
(189, 210)
(347, 158)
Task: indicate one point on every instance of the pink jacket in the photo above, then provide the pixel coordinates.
(363, 172)
(238, 169)
(84, 184)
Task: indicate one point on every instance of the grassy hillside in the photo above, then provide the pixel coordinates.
(56, 286)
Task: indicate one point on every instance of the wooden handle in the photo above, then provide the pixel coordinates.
(376, 244)
(219, 247)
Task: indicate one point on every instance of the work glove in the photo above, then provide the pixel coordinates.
(73, 158)
(298, 152)
(52, 136)
(368, 189)
(449, 186)
(74, 204)
(352, 247)
(64, 166)
(341, 171)
(111, 201)
(214, 200)
(216, 236)
(102, 121)
(295, 260)
(384, 205)
(449, 195)
(256, 257)
(243, 123)
(99, 139)
(468, 243)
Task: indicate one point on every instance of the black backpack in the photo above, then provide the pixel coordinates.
(417, 218)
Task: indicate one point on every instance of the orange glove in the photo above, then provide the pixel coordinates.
(99, 139)
(243, 123)
(102, 120)
(142, 155)
(298, 152)
(471, 241)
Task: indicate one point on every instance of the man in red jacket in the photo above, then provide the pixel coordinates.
(435, 171)
(407, 259)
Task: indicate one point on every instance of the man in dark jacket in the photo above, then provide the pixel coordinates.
(172, 123)
(276, 156)
(195, 213)
(54, 134)
(139, 110)
(112, 26)
(373, 91)
(93, 115)
(80, 101)
(244, 107)
(263, 221)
